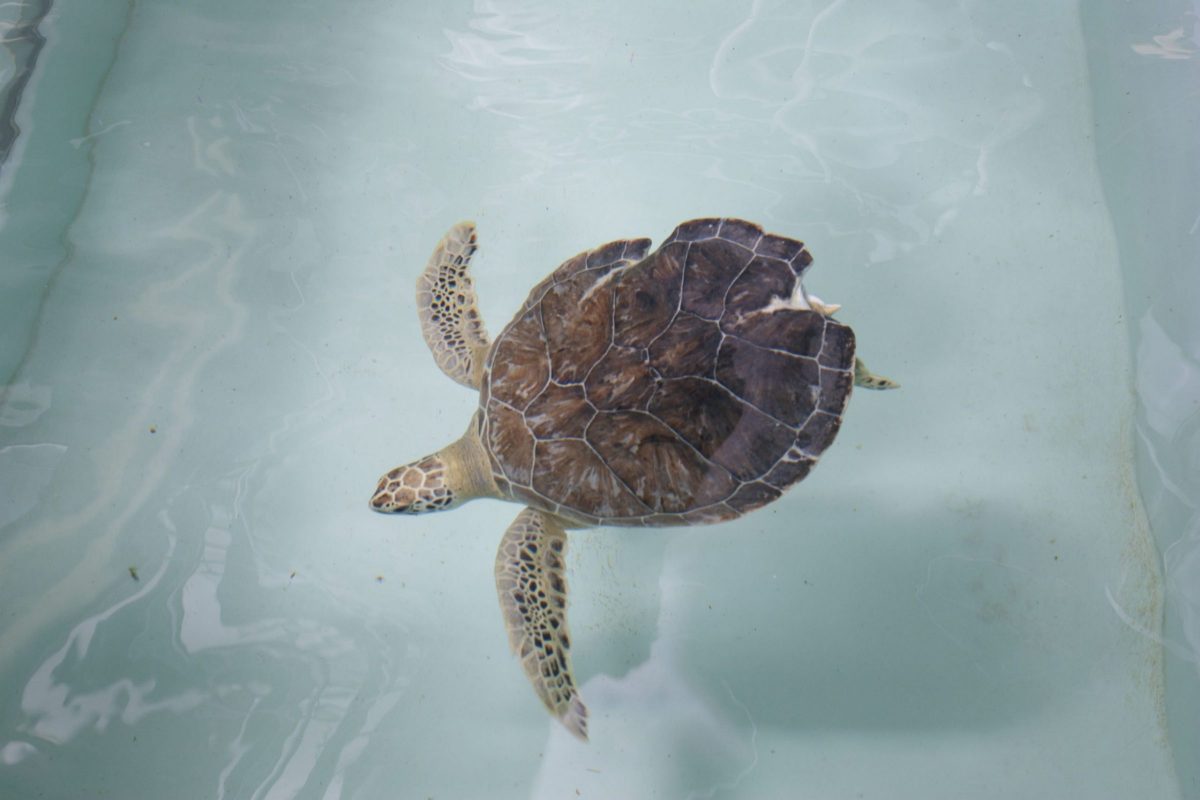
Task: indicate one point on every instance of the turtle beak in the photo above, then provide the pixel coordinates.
(384, 501)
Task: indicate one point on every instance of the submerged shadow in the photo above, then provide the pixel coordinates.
(961, 616)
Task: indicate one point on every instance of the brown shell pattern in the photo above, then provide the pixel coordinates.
(637, 390)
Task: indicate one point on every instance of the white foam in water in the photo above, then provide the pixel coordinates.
(212, 229)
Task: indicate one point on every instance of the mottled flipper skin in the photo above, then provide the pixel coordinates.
(531, 582)
(449, 312)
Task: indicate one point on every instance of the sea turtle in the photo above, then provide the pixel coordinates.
(687, 386)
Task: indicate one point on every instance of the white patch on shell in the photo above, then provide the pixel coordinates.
(599, 284)
(799, 301)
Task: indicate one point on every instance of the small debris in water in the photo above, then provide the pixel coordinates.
(133, 573)
(379, 579)
(154, 429)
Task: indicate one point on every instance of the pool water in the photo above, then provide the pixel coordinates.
(212, 215)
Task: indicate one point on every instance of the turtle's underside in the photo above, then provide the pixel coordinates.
(689, 386)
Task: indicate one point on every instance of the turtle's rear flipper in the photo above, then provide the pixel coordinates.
(530, 579)
(450, 320)
(868, 380)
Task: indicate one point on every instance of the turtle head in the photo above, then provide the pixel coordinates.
(443, 480)
(424, 485)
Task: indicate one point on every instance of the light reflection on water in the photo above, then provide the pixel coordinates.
(796, 93)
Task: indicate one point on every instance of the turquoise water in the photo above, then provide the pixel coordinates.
(212, 219)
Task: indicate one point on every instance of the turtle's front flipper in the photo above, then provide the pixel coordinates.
(530, 579)
(869, 380)
(450, 319)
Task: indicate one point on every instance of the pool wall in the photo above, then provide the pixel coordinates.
(1144, 70)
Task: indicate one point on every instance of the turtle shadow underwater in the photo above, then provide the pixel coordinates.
(866, 619)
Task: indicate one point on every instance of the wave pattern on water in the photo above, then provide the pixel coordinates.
(20, 42)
